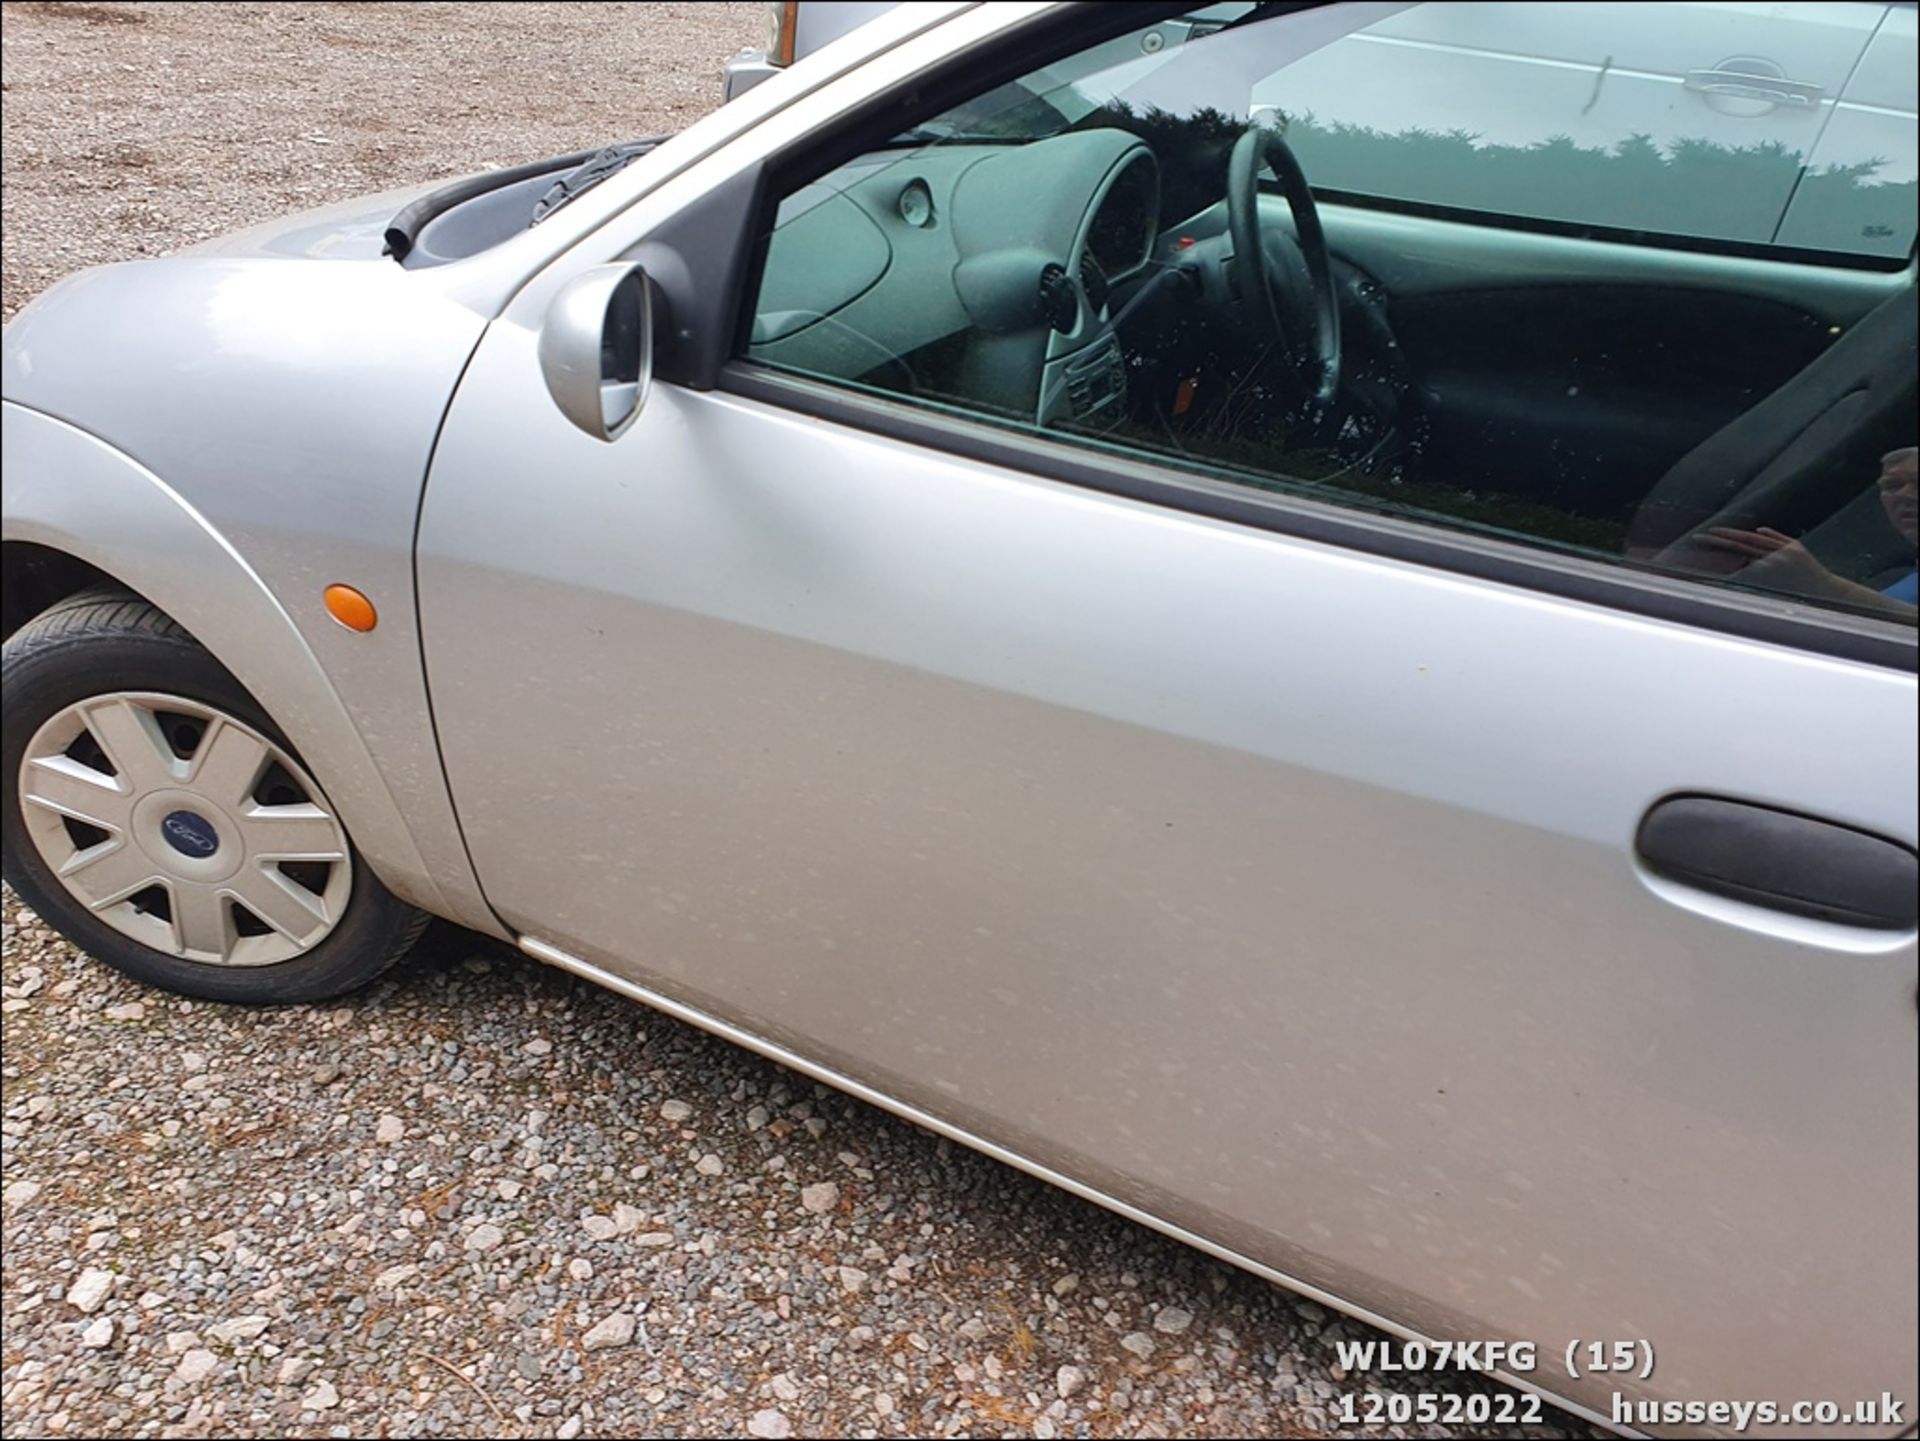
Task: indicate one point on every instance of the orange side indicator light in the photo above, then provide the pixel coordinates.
(351, 608)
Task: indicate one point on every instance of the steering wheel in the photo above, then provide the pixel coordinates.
(1288, 280)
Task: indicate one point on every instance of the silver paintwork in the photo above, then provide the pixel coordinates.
(287, 449)
(747, 69)
(1282, 894)
(135, 803)
(1277, 895)
(242, 469)
(570, 351)
(352, 229)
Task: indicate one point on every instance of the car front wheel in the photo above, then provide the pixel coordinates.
(156, 817)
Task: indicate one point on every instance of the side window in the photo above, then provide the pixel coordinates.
(1694, 121)
(1570, 274)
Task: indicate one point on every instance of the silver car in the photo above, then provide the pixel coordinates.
(1343, 688)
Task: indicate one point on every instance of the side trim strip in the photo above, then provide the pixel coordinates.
(586, 970)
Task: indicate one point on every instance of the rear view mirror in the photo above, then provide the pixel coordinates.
(596, 348)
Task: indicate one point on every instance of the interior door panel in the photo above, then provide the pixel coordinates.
(1581, 395)
(1413, 255)
(1576, 371)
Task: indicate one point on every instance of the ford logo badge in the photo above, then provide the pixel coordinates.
(191, 835)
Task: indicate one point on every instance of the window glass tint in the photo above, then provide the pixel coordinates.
(1746, 123)
(1145, 246)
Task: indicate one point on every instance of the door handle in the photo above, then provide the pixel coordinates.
(1743, 85)
(1788, 862)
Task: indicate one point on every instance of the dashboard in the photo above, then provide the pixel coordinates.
(1126, 218)
(978, 269)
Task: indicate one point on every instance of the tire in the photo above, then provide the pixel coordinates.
(107, 655)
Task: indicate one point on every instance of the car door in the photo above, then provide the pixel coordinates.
(1261, 864)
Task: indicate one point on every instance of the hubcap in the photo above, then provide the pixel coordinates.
(184, 829)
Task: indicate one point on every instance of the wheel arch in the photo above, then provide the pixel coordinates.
(35, 577)
(80, 512)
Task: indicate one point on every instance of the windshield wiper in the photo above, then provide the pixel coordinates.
(608, 160)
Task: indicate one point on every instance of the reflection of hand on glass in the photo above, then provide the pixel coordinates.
(1790, 565)
(1900, 492)
(1783, 563)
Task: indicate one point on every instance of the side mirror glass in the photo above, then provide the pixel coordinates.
(596, 348)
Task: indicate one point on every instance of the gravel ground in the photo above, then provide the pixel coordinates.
(485, 1198)
(136, 129)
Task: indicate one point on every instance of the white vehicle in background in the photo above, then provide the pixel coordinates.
(794, 30)
(1829, 90)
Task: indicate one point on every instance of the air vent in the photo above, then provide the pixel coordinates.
(1058, 303)
(1093, 280)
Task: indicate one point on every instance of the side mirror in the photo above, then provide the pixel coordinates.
(596, 348)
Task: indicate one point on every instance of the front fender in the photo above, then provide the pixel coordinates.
(72, 492)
